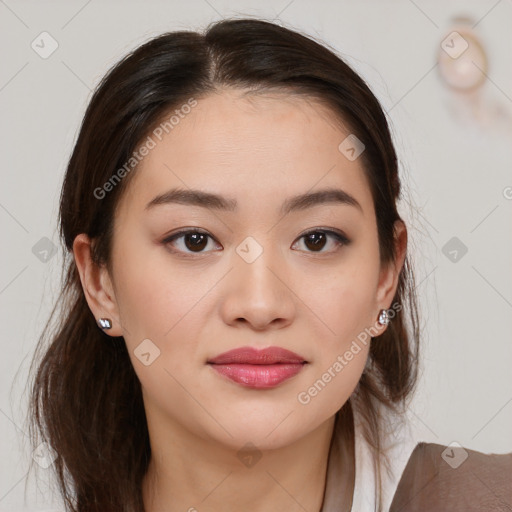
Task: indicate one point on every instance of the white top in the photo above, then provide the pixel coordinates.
(400, 445)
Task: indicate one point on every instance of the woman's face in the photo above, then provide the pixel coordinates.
(247, 276)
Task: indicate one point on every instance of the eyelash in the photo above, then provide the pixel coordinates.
(341, 239)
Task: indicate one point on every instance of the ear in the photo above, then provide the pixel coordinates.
(97, 285)
(389, 274)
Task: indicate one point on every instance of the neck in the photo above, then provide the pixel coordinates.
(190, 473)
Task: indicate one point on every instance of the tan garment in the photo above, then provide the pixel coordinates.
(436, 478)
(439, 478)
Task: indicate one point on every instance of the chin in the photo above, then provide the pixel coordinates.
(267, 434)
(257, 440)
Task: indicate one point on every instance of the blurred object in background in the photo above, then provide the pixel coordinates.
(472, 97)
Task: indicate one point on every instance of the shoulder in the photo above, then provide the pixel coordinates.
(454, 478)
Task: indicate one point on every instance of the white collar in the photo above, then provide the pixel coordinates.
(400, 444)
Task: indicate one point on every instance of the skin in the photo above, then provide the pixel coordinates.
(259, 150)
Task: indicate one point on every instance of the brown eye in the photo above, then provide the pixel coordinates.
(316, 240)
(192, 241)
(195, 241)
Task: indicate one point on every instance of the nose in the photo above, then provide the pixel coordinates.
(259, 294)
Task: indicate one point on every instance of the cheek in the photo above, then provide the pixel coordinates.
(334, 380)
(160, 303)
(166, 303)
(344, 302)
(344, 347)
(154, 295)
(344, 298)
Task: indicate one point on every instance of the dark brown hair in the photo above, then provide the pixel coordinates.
(86, 400)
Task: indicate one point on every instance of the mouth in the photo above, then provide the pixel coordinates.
(258, 369)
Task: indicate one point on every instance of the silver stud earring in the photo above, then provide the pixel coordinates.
(383, 317)
(105, 323)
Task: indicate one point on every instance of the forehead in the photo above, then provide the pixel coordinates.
(250, 147)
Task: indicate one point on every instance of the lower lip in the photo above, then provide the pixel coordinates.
(258, 375)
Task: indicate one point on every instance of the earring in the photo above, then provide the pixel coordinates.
(105, 323)
(383, 317)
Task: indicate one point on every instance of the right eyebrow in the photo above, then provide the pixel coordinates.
(194, 198)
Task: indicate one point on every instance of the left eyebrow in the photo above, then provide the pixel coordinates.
(325, 196)
(204, 199)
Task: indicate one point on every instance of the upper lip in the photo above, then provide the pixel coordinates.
(250, 355)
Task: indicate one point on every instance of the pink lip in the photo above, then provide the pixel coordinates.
(258, 368)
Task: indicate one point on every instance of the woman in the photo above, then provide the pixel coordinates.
(233, 327)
